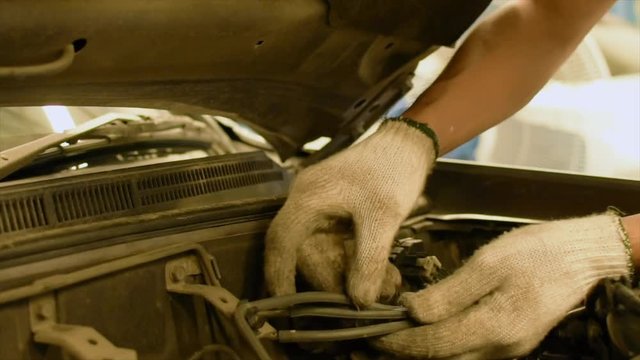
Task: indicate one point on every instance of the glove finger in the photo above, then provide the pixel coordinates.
(390, 284)
(322, 261)
(391, 281)
(287, 231)
(497, 351)
(374, 236)
(468, 332)
(323, 258)
(473, 355)
(477, 278)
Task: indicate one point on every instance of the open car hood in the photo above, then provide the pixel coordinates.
(294, 70)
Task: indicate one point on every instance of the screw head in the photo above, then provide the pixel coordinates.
(179, 273)
(44, 312)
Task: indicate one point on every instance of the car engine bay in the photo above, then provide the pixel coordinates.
(176, 271)
(145, 151)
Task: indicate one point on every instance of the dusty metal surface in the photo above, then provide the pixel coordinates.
(120, 285)
(81, 342)
(45, 69)
(61, 306)
(17, 157)
(525, 193)
(296, 70)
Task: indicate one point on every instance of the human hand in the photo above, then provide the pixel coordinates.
(362, 193)
(511, 292)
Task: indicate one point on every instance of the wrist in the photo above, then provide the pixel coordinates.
(422, 127)
(631, 226)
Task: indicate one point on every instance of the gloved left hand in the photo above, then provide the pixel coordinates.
(511, 292)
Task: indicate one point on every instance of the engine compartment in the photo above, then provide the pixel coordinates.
(165, 286)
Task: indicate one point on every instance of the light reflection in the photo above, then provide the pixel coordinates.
(59, 118)
(79, 166)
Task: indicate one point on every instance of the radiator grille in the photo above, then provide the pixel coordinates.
(94, 200)
(201, 187)
(86, 198)
(202, 174)
(22, 213)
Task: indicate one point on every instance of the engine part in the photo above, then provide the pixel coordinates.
(416, 266)
(251, 317)
(622, 306)
(607, 327)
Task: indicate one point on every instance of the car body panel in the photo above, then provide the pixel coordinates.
(295, 70)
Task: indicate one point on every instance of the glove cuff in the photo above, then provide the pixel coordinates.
(599, 243)
(422, 127)
(624, 237)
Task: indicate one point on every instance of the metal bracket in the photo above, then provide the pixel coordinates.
(81, 342)
(179, 271)
(60, 64)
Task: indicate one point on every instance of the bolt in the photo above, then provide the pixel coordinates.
(178, 273)
(253, 319)
(44, 312)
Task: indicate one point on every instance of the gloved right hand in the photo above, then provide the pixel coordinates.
(513, 291)
(364, 193)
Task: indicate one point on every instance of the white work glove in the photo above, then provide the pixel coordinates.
(513, 291)
(362, 193)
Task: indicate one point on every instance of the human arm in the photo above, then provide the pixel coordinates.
(372, 185)
(502, 64)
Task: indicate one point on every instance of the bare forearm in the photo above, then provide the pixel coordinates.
(632, 226)
(502, 65)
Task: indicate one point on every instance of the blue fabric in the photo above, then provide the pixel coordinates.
(466, 151)
(624, 9)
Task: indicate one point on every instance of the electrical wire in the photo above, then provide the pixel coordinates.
(394, 314)
(279, 306)
(300, 336)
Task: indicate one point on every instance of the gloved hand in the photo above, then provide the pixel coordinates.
(324, 259)
(512, 291)
(364, 193)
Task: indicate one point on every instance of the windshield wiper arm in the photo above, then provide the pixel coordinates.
(14, 159)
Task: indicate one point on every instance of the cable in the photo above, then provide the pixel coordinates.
(299, 336)
(272, 307)
(285, 301)
(398, 314)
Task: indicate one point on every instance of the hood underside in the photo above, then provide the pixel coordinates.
(294, 70)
